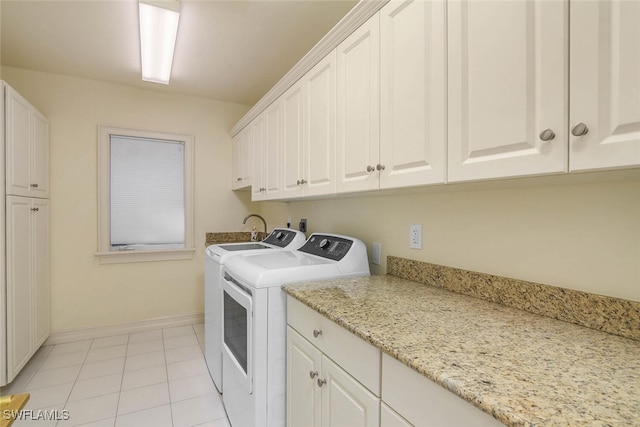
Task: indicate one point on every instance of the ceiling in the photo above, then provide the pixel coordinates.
(232, 50)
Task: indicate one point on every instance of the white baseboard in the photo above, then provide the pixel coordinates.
(71, 335)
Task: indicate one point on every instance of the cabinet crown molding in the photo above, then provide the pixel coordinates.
(360, 13)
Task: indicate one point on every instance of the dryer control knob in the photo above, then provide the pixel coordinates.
(280, 235)
(324, 243)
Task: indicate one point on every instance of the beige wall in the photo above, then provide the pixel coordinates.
(85, 293)
(583, 236)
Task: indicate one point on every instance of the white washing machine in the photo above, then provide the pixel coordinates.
(255, 321)
(215, 257)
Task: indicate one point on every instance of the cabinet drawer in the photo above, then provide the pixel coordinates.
(422, 402)
(353, 354)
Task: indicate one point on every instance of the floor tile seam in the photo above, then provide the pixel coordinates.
(63, 367)
(166, 369)
(143, 386)
(111, 336)
(190, 397)
(93, 397)
(98, 395)
(143, 410)
(76, 381)
(50, 385)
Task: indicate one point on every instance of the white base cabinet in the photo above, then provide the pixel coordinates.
(421, 402)
(336, 379)
(333, 377)
(321, 393)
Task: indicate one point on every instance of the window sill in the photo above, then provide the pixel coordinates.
(118, 257)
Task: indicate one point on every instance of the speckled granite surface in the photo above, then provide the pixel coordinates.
(524, 369)
(608, 314)
(231, 237)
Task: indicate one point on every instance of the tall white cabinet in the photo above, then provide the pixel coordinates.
(25, 233)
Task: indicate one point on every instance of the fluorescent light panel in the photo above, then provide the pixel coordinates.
(158, 30)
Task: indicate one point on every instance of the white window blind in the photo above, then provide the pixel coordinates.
(147, 200)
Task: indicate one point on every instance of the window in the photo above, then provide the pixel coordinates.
(145, 192)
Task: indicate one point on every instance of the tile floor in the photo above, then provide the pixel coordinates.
(156, 378)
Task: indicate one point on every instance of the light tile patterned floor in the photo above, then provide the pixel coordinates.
(156, 378)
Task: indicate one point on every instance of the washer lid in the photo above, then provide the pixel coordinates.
(279, 238)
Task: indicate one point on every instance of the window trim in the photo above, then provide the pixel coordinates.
(104, 253)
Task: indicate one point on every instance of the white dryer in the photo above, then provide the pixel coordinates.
(215, 257)
(255, 321)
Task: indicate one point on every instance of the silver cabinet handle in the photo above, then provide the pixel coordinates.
(547, 135)
(34, 185)
(316, 333)
(321, 382)
(580, 129)
(298, 182)
(239, 179)
(370, 168)
(35, 209)
(380, 167)
(313, 374)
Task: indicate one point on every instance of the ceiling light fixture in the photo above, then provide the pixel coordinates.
(158, 30)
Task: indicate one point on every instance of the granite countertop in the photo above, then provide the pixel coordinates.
(522, 368)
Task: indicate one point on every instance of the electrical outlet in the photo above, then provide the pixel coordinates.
(415, 236)
(376, 253)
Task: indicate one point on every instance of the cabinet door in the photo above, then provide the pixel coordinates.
(40, 269)
(320, 128)
(292, 141)
(241, 167)
(390, 418)
(358, 115)
(40, 155)
(345, 402)
(605, 84)
(412, 93)
(508, 68)
(272, 152)
(257, 146)
(18, 157)
(303, 393)
(20, 313)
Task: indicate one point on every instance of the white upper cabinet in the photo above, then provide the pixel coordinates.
(605, 84)
(358, 109)
(412, 93)
(320, 128)
(27, 148)
(242, 156)
(309, 114)
(507, 73)
(292, 141)
(258, 159)
(271, 150)
(266, 132)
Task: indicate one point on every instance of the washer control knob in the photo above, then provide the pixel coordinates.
(280, 235)
(324, 243)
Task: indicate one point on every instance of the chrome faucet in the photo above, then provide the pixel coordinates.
(258, 216)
